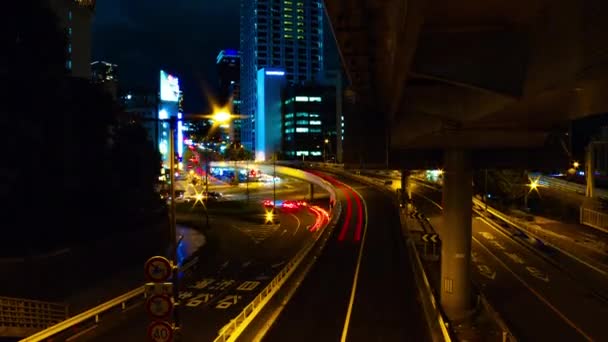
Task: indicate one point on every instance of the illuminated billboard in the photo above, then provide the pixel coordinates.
(169, 87)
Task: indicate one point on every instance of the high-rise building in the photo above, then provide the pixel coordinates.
(309, 122)
(106, 75)
(229, 70)
(271, 82)
(278, 33)
(75, 17)
(142, 104)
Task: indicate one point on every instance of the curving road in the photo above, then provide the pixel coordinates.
(241, 258)
(361, 288)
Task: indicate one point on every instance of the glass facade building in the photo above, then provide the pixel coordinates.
(270, 83)
(286, 34)
(309, 122)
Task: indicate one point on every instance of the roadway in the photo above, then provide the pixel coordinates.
(361, 288)
(536, 297)
(240, 258)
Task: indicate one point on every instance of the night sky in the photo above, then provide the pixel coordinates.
(180, 36)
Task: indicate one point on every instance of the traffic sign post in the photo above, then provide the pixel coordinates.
(161, 303)
(159, 306)
(158, 269)
(160, 331)
(433, 238)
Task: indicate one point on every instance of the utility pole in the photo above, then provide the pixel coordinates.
(274, 181)
(172, 221)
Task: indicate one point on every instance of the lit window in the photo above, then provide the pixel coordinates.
(68, 64)
(288, 29)
(288, 9)
(301, 98)
(288, 15)
(301, 31)
(312, 115)
(289, 130)
(301, 129)
(315, 122)
(288, 22)
(315, 130)
(301, 153)
(300, 4)
(300, 37)
(69, 15)
(315, 153)
(302, 115)
(302, 122)
(288, 123)
(314, 99)
(288, 36)
(69, 31)
(70, 48)
(288, 116)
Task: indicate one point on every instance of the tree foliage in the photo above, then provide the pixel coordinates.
(70, 170)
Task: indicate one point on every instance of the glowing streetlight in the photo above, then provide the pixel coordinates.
(533, 186)
(221, 117)
(576, 164)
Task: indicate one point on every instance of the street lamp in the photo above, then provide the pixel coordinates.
(533, 186)
(576, 164)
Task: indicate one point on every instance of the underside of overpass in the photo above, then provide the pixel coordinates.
(464, 84)
(502, 79)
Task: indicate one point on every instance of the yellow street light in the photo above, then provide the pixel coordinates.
(327, 141)
(269, 216)
(533, 184)
(221, 117)
(576, 164)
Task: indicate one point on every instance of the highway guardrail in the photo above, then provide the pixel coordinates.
(93, 316)
(232, 330)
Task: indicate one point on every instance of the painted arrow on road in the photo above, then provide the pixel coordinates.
(486, 271)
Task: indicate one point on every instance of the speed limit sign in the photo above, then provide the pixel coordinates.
(160, 331)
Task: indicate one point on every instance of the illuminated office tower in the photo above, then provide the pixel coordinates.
(75, 17)
(287, 34)
(228, 72)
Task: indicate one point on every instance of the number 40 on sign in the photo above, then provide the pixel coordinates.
(160, 331)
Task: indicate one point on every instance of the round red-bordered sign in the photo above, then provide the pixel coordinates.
(160, 331)
(159, 306)
(158, 269)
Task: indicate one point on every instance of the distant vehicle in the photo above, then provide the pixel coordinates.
(215, 195)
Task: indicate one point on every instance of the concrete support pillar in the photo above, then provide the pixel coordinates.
(455, 234)
(405, 192)
(311, 192)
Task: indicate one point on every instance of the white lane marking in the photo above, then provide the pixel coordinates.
(538, 295)
(298, 226)
(516, 258)
(356, 277)
(538, 273)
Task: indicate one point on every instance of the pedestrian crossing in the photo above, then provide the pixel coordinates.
(258, 232)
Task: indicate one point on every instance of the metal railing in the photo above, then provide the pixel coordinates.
(562, 185)
(594, 218)
(94, 315)
(232, 330)
(89, 315)
(21, 317)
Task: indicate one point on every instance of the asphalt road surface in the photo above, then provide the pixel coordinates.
(537, 298)
(361, 288)
(244, 259)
